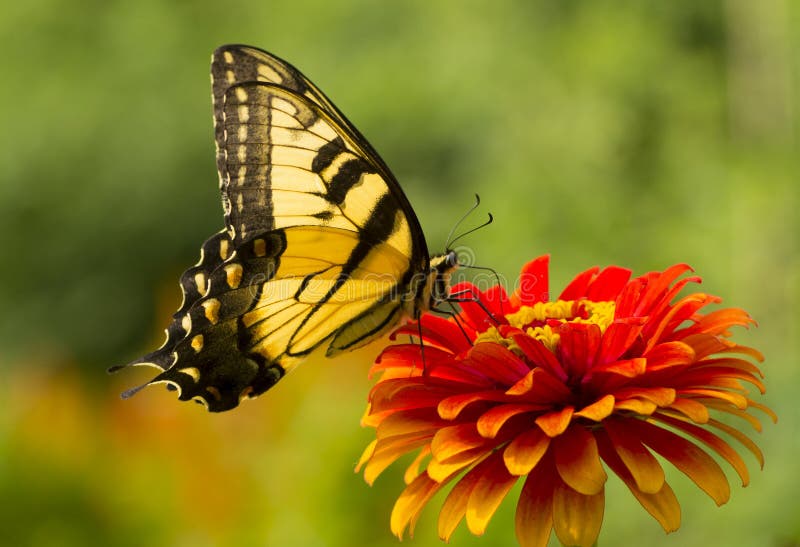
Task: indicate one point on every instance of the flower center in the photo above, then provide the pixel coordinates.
(538, 320)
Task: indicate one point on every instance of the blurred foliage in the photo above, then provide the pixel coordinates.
(636, 133)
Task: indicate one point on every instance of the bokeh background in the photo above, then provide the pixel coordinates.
(603, 132)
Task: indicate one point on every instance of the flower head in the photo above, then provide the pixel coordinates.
(611, 373)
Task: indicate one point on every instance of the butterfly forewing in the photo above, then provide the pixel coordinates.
(321, 245)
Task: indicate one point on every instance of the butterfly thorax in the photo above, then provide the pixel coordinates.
(435, 288)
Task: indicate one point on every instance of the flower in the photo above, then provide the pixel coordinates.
(606, 376)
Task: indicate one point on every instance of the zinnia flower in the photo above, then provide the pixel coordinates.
(557, 392)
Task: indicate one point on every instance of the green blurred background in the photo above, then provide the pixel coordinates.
(632, 133)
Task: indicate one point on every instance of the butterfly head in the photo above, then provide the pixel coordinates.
(442, 267)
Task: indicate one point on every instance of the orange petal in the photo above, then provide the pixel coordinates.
(737, 400)
(695, 411)
(577, 518)
(455, 439)
(662, 505)
(638, 406)
(524, 452)
(451, 407)
(742, 438)
(556, 422)
(412, 471)
(668, 355)
(681, 309)
(661, 396)
(409, 505)
(455, 505)
(765, 409)
(712, 441)
(409, 421)
(642, 465)
(366, 455)
(494, 483)
(539, 385)
(628, 368)
(598, 410)
(492, 420)
(578, 461)
(686, 456)
(534, 517)
(732, 362)
(388, 451)
(439, 471)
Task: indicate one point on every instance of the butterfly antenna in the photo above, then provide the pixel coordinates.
(462, 219)
(485, 224)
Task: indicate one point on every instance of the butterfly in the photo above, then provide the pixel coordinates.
(320, 247)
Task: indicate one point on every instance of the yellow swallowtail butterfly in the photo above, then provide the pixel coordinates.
(320, 244)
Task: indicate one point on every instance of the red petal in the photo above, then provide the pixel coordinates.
(577, 518)
(538, 355)
(533, 283)
(628, 299)
(578, 347)
(578, 461)
(642, 465)
(494, 483)
(437, 330)
(657, 284)
(525, 451)
(608, 284)
(497, 362)
(686, 456)
(534, 517)
(577, 287)
(618, 337)
(496, 299)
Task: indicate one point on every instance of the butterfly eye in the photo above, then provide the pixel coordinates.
(452, 259)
